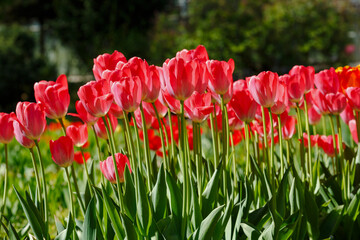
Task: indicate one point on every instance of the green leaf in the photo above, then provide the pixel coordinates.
(222, 223)
(207, 226)
(128, 226)
(158, 195)
(288, 227)
(250, 231)
(90, 221)
(312, 215)
(130, 197)
(281, 195)
(143, 213)
(196, 216)
(32, 216)
(13, 235)
(66, 233)
(174, 195)
(211, 191)
(331, 222)
(268, 233)
(113, 214)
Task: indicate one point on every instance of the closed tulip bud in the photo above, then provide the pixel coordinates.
(353, 96)
(108, 169)
(307, 75)
(152, 86)
(149, 119)
(100, 128)
(281, 102)
(235, 123)
(327, 81)
(220, 75)
(116, 111)
(353, 130)
(326, 144)
(263, 88)
(336, 102)
(96, 97)
(314, 116)
(127, 93)
(226, 97)
(162, 110)
(6, 127)
(78, 134)
(319, 102)
(32, 118)
(84, 115)
(348, 114)
(54, 96)
(295, 87)
(170, 102)
(289, 128)
(62, 151)
(107, 62)
(21, 137)
(242, 102)
(198, 107)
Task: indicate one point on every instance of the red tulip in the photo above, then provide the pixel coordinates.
(336, 102)
(263, 88)
(237, 137)
(289, 128)
(180, 77)
(348, 114)
(154, 140)
(353, 96)
(162, 110)
(108, 169)
(327, 81)
(54, 96)
(100, 128)
(20, 136)
(96, 97)
(170, 102)
(6, 127)
(227, 96)
(306, 74)
(234, 122)
(218, 116)
(198, 107)
(281, 102)
(78, 134)
(319, 101)
(116, 111)
(220, 75)
(295, 87)
(353, 130)
(32, 118)
(314, 116)
(84, 115)
(242, 102)
(149, 119)
(62, 151)
(313, 139)
(326, 143)
(78, 157)
(127, 93)
(107, 62)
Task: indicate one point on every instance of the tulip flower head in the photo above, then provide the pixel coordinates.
(21, 137)
(107, 62)
(327, 81)
(306, 75)
(127, 93)
(353, 96)
(78, 134)
(198, 107)
(220, 75)
(263, 88)
(108, 170)
(6, 127)
(62, 151)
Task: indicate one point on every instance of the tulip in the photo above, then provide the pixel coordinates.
(20, 136)
(295, 87)
(180, 77)
(107, 62)
(54, 96)
(327, 81)
(289, 128)
(31, 117)
(152, 87)
(319, 101)
(78, 157)
(313, 139)
(336, 102)
(242, 102)
(162, 110)
(226, 97)
(220, 75)
(348, 114)
(78, 134)
(263, 88)
(154, 140)
(234, 122)
(353, 130)
(348, 77)
(306, 74)
(100, 128)
(116, 111)
(281, 102)
(127, 93)
(198, 107)
(6, 127)
(170, 102)
(108, 170)
(326, 144)
(96, 97)
(62, 151)
(314, 116)
(149, 119)
(84, 115)
(353, 96)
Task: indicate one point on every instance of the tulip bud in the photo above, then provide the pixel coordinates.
(62, 151)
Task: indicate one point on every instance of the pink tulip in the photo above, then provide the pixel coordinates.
(198, 107)
(96, 97)
(263, 88)
(353, 130)
(235, 123)
(348, 114)
(54, 96)
(153, 85)
(289, 128)
(108, 169)
(295, 87)
(62, 151)
(170, 102)
(319, 101)
(242, 102)
(307, 75)
(116, 111)
(314, 116)
(149, 119)
(327, 81)
(107, 62)
(20, 136)
(220, 75)
(100, 127)
(127, 93)
(353, 96)
(180, 77)
(227, 96)
(281, 102)
(84, 115)
(32, 118)
(162, 110)
(6, 127)
(78, 134)
(336, 102)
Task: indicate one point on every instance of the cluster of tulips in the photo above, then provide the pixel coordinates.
(163, 109)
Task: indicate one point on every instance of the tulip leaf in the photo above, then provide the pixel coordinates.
(288, 226)
(143, 214)
(113, 214)
(66, 233)
(331, 222)
(211, 191)
(207, 226)
(128, 226)
(175, 195)
(130, 199)
(222, 223)
(12, 234)
(158, 195)
(312, 215)
(90, 222)
(196, 217)
(32, 216)
(250, 231)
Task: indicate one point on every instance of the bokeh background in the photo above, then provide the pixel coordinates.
(40, 39)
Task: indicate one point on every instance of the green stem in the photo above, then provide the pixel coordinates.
(36, 174)
(309, 143)
(271, 148)
(146, 149)
(171, 134)
(162, 137)
(71, 199)
(99, 151)
(87, 173)
(233, 163)
(265, 142)
(287, 152)
(281, 148)
(225, 145)
(5, 181)
(216, 133)
(336, 170)
(167, 142)
(341, 153)
(131, 143)
(300, 135)
(213, 137)
(247, 167)
(197, 161)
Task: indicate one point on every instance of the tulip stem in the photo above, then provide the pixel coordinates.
(162, 137)
(340, 142)
(171, 135)
(36, 174)
(280, 148)
(215, 138)
(247, 167)
(114, 161)
(131, 143)
(99, 150)
(62, 125)
(5, 180)
(87, 172)
(71, 199)
(336, 170)
(197, 160)
(300, 134)
(225, 144)
(265, 142)
(271, 148)
(233, 162)
(287, 152)
(167, 142)
(146, 148)
(44, 185)
(309, 142)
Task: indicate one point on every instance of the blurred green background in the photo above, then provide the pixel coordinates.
(40, 39)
